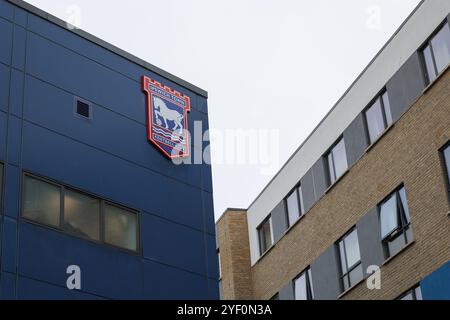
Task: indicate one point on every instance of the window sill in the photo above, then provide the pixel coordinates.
(351, 288)
(432, 83)
(379, 138)
(398, 253)
(337, 181)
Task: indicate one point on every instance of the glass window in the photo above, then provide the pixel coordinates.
(437, 53)
(412, 294)
(337, 161)
(378, 117)
(265, 235)
(303, 288)
(293, 207)
(350, 258)
(447, 162)
(42, 202)
(121, 227)
(395, 222)
(81, 215)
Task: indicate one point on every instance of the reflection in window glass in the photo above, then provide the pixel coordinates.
(441, 48)
(387, 108)
(303, 289)
(293, 207)
(337, 161)
(265, 235)
(120, 227)
(82, 215)
(42, 202)
(350, 258)
(447, 162)
(388, 216)
(375, 121)
(412, 294)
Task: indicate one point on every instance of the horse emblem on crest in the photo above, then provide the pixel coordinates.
(167, 118)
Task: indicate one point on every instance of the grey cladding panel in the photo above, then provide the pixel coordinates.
(325, 275)
(279, 221)
(287, 292)
(355, 138)
(370, 240)
(406, 85)
(320, 178)
(309, 196)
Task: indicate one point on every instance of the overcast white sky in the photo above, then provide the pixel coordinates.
(267, 64)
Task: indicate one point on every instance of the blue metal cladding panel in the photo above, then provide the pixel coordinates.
(6, 34)
(107, 156)
(4, 87)
(436, 286)
(185, 251)
(162, 282)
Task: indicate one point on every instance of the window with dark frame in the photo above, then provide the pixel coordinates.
(378, 116)
(414, 293)
(79, 214)
(275, 297)
(446, 158)
(294, 205)
(436, 53)
(265, 235)
(350, 258)
(395, 222)
(336, 161)
(303, 287)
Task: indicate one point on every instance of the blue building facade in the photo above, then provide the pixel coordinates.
(45, 71)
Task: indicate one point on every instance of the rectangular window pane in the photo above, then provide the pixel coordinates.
(447, 162)
(404, 201)
(387, 108)
(352, 249)
(418, 292)
(340, 159)
(396, 244)
(356, 275)
(302, 202)
(265, 235)
(42, 202)
(441, 48)
(407, 297)
(81, 215)
(389, 216)
(292, 207)
(431, 70)
(311, 283)
(300, 288)
(120, 228)
(331, 168)
(375, 121)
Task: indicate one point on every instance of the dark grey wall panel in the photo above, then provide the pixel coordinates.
(355, 138)
(309, 196)
(320, 178)
(287, 292)
(325, 275)
(406, 85)
(279, 221)
(370, 240)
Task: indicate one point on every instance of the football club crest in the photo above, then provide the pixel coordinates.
(167, 119)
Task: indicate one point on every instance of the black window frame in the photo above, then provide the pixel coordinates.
(346, 275)
(329, 152)
(413, 293)
(402, 228)
(78, 100)
(378, 97)
(300, 203)
(444, 167)
(424, 46)
(261, 241)
(103, 202)
(309, 285)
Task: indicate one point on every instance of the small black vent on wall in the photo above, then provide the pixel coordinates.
(83, 108)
